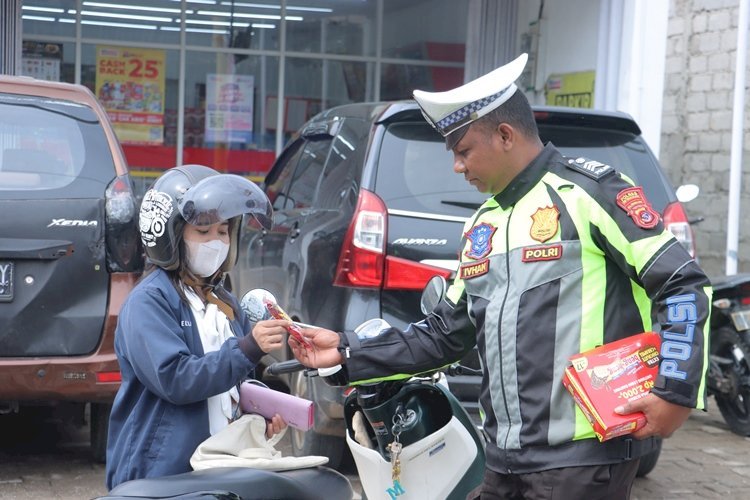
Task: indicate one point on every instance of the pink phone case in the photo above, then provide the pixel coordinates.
(296, 412)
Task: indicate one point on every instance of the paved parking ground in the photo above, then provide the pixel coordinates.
(44, 458)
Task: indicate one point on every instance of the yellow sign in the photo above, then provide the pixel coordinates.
(130, 86)
(575, 90)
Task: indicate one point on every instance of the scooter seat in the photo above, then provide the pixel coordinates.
(313, 483)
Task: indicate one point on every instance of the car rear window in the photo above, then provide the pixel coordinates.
(415, 173)
(623, 151)
(48, 146)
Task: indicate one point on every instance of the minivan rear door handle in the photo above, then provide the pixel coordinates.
(17, 248)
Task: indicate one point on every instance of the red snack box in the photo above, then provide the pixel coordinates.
(611, 375)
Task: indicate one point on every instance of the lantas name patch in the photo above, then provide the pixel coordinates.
(635, 204)
(474, 269)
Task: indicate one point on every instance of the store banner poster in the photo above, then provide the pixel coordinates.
(229, 108)
(130, 84)
(575, 90)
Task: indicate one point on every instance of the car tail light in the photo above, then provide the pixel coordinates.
(124, 252)
(402, 274)
(362, 260)
(108, 377)
(677, 222)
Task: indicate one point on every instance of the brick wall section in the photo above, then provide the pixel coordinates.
(697, 121)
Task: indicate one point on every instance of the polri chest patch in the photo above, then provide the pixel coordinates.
(542, 253)
(480, 237)
(544, 223)
(635, 204)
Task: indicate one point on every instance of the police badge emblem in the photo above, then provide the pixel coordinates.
(545, 223)
(480, 237)
(635, 204)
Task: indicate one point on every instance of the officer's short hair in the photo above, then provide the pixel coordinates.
(516, 112)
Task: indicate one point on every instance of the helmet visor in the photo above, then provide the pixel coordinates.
(221, 197)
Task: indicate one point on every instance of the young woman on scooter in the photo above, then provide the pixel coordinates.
(182, 341)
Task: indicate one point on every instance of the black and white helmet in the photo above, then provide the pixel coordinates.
(200, 196)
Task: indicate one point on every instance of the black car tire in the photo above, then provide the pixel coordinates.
(98, 427)
(315, 443)
(648, 461)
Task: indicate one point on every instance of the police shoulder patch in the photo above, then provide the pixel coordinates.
(590, 168)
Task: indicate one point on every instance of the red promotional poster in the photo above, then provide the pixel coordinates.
(611, 375)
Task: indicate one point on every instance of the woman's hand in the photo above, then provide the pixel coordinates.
(274, 426)
(324, 352)
(269, 334)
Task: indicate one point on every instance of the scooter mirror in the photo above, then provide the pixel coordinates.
(687, 192)
(433, 293)
(253, 305)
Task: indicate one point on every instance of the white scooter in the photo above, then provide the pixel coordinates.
(410, 438)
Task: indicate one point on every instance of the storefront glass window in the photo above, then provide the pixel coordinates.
(432, 30)
(130, 58)
(331, 27)
(152, 21)
(51, 61)
(313, 85)
(398, 81)
(234, 24)
(48, 17)
(226, 107)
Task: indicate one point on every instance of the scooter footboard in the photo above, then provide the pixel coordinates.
(312, 483)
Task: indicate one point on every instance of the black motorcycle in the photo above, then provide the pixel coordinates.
(728, 378)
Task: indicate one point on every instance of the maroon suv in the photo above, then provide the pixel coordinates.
(69, 249)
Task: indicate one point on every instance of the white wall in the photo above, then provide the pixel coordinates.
(623, 41)
(567, 37)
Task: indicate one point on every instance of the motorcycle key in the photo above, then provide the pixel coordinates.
(395, 449)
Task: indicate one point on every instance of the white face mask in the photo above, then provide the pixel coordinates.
(204, 259)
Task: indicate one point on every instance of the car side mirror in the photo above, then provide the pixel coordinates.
(433, 293)
(687, 192)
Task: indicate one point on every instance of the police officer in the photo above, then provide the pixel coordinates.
(565, 255)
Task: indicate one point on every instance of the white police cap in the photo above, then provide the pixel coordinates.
(451, 111)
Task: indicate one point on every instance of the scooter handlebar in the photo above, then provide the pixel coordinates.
(281, 367)
(454, 370)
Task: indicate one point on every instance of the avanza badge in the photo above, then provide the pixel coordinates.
(634, 202)
(545, 223)
(481, 240)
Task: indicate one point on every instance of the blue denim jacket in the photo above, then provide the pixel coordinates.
(160, 415)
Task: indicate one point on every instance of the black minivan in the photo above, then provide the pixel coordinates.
(368, 209)
(69, 250)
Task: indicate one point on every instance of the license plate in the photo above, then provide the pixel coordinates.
(6, 281)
